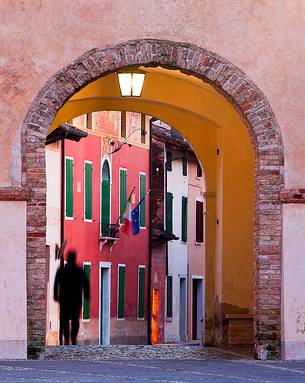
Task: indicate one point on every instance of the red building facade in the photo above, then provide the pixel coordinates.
(98, 181)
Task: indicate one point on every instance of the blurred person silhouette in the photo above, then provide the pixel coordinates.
(69, 286)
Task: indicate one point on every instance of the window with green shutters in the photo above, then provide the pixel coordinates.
(86, 302)
(184, 220)
(169, 212)
(199, 222)
(69, 188)
(88, 190)
(105, 202)
(121, 292)
(141, 288)
(169, 296)
(123, 193)
(143, 204)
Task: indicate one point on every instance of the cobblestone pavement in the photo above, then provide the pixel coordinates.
(97, 353)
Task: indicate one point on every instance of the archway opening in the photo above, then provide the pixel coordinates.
(222, 144)
(225, 151)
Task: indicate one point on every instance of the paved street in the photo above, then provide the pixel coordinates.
(172, 371)
(148, 364)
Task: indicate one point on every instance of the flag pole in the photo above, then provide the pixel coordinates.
(118, 220)
(142, 199)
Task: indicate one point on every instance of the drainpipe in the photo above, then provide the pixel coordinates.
(62, 198)
(149, 292)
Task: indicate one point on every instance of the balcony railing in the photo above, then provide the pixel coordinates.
(110, 231)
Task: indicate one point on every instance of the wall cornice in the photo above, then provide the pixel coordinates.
(14, 193)
(292, 195)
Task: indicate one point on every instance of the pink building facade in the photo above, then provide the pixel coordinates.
(98, 182)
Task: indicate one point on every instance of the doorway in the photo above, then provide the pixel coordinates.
(197, 309)
(182, 316)
(104, 317)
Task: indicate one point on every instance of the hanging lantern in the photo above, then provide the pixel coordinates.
(131, 83)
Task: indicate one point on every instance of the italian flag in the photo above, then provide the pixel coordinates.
(127, 217)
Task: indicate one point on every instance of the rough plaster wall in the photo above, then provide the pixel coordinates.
(13, 342)
(293, 334)
(263, 38)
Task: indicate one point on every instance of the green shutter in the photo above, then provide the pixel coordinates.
(86, 304)
(184, 220)
(69, 187)
(143, 204)
(105, 207)
(141, 292)
(88, 190)
(121, 292)
(123, 193)
(169, 212)
(169, 296)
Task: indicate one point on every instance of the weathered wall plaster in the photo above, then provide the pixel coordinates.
(293, 332)
(39, 38)
(13, 329)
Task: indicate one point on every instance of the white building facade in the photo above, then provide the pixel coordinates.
(184, 306)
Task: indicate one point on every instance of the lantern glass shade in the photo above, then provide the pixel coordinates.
(131, 84)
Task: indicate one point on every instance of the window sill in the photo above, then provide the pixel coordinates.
(169, 319)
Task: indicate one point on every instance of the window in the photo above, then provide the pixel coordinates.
(199, 221)
(169, 212)
(169, 296)
(123, 193)
(121, 292)
(184, 220)
(86, 303)
(89, 121)
(143, 129)
(169, 157)
(105, 200)
(69, 187)
(184, 166)
(143, 204)
(199, 170)
(123, 124)
(88, 191)
(141, 291)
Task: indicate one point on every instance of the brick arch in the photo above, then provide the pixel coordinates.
(265, 134)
